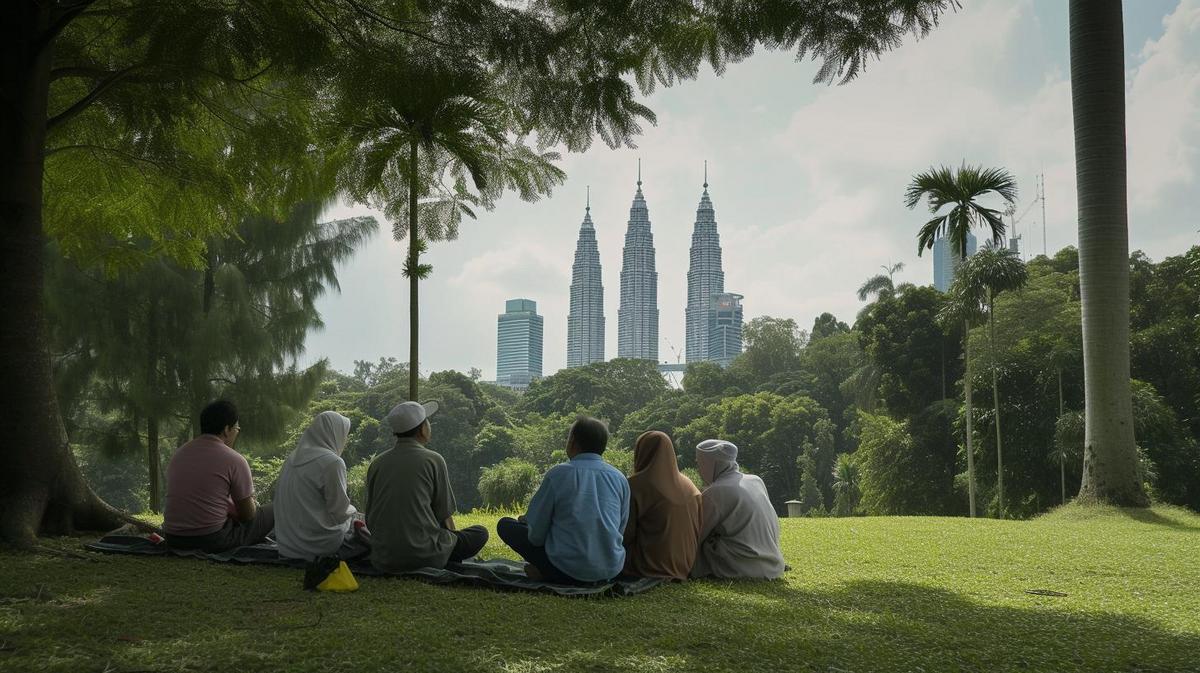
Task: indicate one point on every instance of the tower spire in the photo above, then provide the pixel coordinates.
(706, 175)
(639, 173)
(589, 199)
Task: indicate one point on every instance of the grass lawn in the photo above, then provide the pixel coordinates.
(867, 594)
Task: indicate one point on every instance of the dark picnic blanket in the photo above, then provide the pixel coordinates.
(499, 574)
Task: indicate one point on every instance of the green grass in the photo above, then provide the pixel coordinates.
(872, 594)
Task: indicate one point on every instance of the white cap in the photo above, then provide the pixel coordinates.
(408, 415)
(718, 448)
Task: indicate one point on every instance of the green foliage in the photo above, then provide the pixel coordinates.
(771, 346)
(811, 501)
(771, 432)
(265, 472)
(907, 472)
(706, 380)
(847, 484)
(542, 440)
(622, 459)
(509, 484)
(826, 325)
(668, 414)
(607, 390)
(961, 190)
(356, 483)
(915, 360)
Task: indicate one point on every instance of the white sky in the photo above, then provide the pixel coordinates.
(807, 182)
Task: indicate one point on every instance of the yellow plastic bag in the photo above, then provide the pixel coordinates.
(339, 580)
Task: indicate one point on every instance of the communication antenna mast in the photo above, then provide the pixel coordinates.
(1042, 197)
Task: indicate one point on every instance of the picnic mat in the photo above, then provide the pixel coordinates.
(499, 574)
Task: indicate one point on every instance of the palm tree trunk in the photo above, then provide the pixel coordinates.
(1098, 108)
(413, 276)
(996, 401)
(970, 417)
(1062, 458)
(41, 487)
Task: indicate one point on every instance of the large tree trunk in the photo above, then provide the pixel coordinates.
(1110, 472)
(970, 417)
(413, 276)
(41, 487)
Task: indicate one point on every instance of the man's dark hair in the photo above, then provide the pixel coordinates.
(590, 435)
(414, 431)
(218, 416)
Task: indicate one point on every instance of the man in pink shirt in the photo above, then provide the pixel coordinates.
(209, 503)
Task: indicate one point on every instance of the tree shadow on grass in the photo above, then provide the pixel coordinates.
(1147, 515)
(193, 616)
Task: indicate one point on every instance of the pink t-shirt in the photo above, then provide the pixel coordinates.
(204, 479)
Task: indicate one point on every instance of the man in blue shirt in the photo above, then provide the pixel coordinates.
(575, 525)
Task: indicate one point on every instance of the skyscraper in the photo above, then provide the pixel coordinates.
(725, 328)
(518, 344)
(705, 279)
(585, 321)
(637, 317)
(945, 261)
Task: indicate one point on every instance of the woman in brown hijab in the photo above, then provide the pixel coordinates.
(663, 532)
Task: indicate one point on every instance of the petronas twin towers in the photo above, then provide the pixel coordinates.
(714, 318)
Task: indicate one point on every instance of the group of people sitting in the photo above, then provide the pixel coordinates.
(586, 523)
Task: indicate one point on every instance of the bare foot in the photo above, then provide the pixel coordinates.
(532, 573)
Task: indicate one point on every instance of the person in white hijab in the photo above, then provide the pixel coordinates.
(739, 535)
(313, 514)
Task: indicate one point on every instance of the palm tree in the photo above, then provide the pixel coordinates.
(956, 195)
(847, 479)
(1110, 460)
(421, 132)
(882, 284)
(983, 276)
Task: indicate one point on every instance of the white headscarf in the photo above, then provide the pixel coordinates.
(715, 457)
(329, 432)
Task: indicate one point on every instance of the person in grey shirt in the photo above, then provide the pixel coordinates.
(409, 503)
(739, 533)
(313, 514)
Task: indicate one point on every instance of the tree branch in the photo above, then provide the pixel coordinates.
(133, 158)
(60, 22)
(85, 102)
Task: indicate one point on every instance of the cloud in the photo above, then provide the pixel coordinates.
(1163, 114)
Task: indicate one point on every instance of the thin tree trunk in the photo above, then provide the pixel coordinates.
(413, 276)
(1110, 472)
(996, 401)
(1062, 458)
(41, 487)
(152, 409)
(970, 417)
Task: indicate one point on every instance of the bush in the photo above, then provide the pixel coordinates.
(356, 483)
(508, 484)
(622, 459)
(265, 472)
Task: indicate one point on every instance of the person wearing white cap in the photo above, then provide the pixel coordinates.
(409, 503)
(739, 534)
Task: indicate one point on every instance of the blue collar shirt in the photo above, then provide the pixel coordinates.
(579, 514)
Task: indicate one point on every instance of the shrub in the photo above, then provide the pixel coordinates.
(509, 484)
(356, 483)
(622, 459)
(265, 472)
